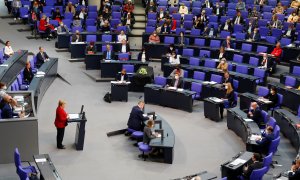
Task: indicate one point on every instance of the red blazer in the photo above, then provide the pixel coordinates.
(174, 22)
(61, 118)
(42, 26)
(277, 52)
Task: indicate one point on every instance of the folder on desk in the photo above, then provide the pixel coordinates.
(248, 120)
(237, 162)
(254, 137)
(41, 160)
(74, 116)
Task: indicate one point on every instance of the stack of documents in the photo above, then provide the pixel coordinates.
(215, 99)
(254, 137)
(237, 162)
(120, 82)
(248, 120)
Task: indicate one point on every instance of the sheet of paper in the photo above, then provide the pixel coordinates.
(19, 98)
(41, 160)
(180, 89)
(73, 116)
(248, 120)
(40, 73)
(254, 137)
(158, 135)
(4, 65)
(172, 88)
(212, 82)
(145, 115)
(238, 161)
(216, 99)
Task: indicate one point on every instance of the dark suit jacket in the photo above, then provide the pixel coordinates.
(74, 38)
(204, 4)
(225, 55)
(221, 11)
(140, 56)
(241, 20)
(265, 142)
(27, 75)
(40, 60)
(206, 32)
(119, 77)
(230, 28)
(89, 48)
(273, 98)
(7, 112)
(294, 175)
(136, 119)
(257, 117)
(229, 80)
(256, 37)
(112, 55)
(251, 167)
(292, 33)
(224, 44)
(163, 28)
(230, 98)
(179, 84)
(127, 48)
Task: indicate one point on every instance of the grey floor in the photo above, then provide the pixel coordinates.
(201, 144)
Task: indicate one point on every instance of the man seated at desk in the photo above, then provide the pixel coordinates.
(108, 54)
(177, 81)
(267, 64)
(227, 79)
(294, 173)
(266, 138)
(77, 37)
(136, 118)
(91, 48)
(252, 165)
(27, 73)
(124, 47)
(7, 106)
(255, 114)
(273, 97)
(41, 57)
(177, 70)
(228, 43)
(122, 76)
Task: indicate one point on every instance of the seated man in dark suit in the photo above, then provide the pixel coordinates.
(209, 31)
(228, 43)
(108, 54)
(41, 57)
(27, 73)
(226, 78)
(124, 47)
(122, 76)
(218, 10)
(252, 165)
(165, 29)
(266, 138)
(238, 19)
(7, 105)
(76, 37)
(177, 81)
(254, 36)
(267, 64)
(136, 118)
(295, 171)
(255, 114)
(227, 26)
(91, 48)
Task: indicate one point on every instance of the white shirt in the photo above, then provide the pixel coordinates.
(221, 55)
(173, 60)
(226, 27)
(121, 37)
(122, 78)
(183, 10)
(8, 50)
(128, 22)
(288, 33)
(143, 57)
(81, 15)
(237, 20)
(123, 50)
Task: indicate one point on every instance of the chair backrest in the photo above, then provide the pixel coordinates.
(267, 161)
(216, 78)
(210, 63)
(204, 53)
(91, 29)
(224, 34)
(201, 76)
(285, 41)
(123, 56)
(149, 29)
(90, 38)
(253, 61)
(169, 40)
(23, 175)
(274, 145)
(235, 84)
(69, 15)
(271, 39)
(199, 42)
(187, 52)
(262, 91)
(194, 61)
(276, 131)
(296, 70)
(106, 38)
(242, 69)
(272, 122)
(238, 58)
(240, 36)
(215, 43)
(265, 116)
(262, 49)
(247, 47)
(197, 87)
(258, 173)
(17, 158)
(128, 67)
(261, 73)
(160, 80)
(290, 81)
(280, 99)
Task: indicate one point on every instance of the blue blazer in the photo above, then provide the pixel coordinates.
(136, 119)
(7, 112)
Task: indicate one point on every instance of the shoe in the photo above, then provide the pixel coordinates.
(61, 147)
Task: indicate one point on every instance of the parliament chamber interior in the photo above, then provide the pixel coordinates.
(150, 89)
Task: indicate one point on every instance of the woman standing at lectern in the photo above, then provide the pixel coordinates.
(60, 123)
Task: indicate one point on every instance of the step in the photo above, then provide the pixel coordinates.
(137, 32)
(140, 18)
(139, 25)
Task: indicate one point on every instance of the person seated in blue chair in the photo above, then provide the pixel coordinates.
(177, 70)
(149, 134)
(122, 76)
(226, 78)
(294, 174)
(255, 114)
(108, 54)
(136, 118)
(254, 164)
(177, 81)
(228, 100)
(266, 138)
(7, 107)
(273, 97)
(91, 48)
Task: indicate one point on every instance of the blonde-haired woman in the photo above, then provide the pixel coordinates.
(228, 99)
(61, 121)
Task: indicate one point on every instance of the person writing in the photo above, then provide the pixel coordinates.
(8, 51)
(41, 57)
(174, 59)
(61, 121)
(27, 73)
(8, 105)
(265, 140)
(273, 97)
(136, 118)
(123, 77)
(255, 114)
(154, 38)
(91, 48)
(223, 65)
(177, 81)
(253, 165)
(228, 99)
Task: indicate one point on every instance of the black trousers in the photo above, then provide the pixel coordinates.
(221, 110)
(60, 136)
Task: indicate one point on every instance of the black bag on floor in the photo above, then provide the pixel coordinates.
(107, 97)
